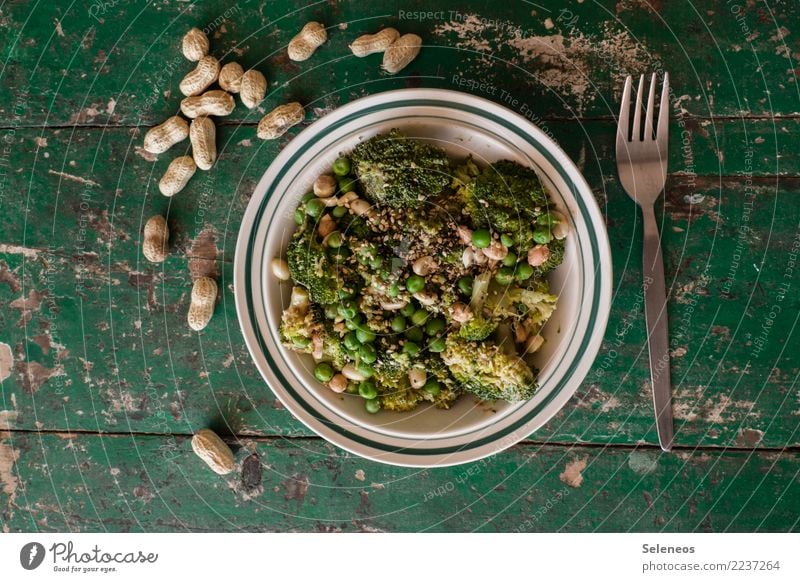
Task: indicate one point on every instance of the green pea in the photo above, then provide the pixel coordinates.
(415, 284)
(365, 335)
(373, 405)
(315, 208)
(301, 342)
(355, 322)
(347, 312)
(415, 334)
(507, 241)
(341, 167)
(435, 326)
(323, 372)
(432, 387)
(411, 348)
(547, 220)
(437, 346)
(524, 272)
(309, 196)
(398, 323)
(465, 285)
(299, 216)
(420, 316)
(481, 238)
(408, 309)
(347, 184)
(367, 353)
(365, 369)
(504, 276)
(339, 211)
(351, 341)
(345, 293)
(335, 240)
(510, 260)
(352, 388)
(367, 390)
(542, 235)
(394, 290)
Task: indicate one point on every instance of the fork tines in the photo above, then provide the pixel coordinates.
(636, 132)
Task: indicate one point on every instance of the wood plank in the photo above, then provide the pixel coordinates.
(734, 369)
(58, 184)
(86, 483)
(102, 64)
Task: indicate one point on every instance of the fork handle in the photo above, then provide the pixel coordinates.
(655, 302)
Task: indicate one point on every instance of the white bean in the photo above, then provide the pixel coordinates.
(538, 255)
(424, 265)
(351, 373)
(417, 377)
(533, 343)
(561, 229)
(338, 383)
(280, 269)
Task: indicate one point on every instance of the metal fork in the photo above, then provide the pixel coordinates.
(642, 168)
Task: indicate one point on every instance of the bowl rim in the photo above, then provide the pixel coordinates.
(579, 190)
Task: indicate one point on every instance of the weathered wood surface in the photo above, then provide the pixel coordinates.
(128, 352)
(93, 339)
(101, 63)
(72, 482)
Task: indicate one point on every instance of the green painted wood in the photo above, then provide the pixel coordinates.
(734, 370)
(98, 341)
(111, 63)
(143, 483)
(101, 185)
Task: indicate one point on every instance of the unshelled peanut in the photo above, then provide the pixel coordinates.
(162, 137)
(278, 121)
(178, 174)
(216, 102)
(253, 88)
(302, 46)
(401, 52)
(204, 297)
(230, 77)
(156, 238)
(369, 44)
(195, 44)
(201, 78)
(217, 455)
(203, 135)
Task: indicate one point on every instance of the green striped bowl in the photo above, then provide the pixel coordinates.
(470, 430)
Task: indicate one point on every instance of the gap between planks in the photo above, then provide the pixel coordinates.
(552, 119)
(524, 442)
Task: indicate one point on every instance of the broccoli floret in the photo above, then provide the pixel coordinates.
(488, 370)
(398, 171)
(353, 226)
(304, 329)
(391, 367)
(533, 303)
(401, 399)
(310, 266)
(300, 322)
(333, 349)
(554, 260)
(449, 390)
(505, 197)
(481, 325)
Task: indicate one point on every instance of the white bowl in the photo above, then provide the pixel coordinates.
(469, 430)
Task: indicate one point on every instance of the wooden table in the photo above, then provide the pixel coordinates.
(103, 382)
